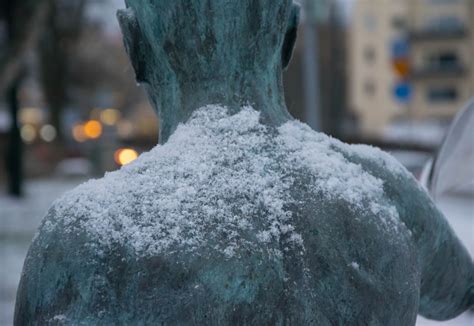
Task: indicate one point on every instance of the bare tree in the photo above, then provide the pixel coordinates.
(57, 52)
(21, 20)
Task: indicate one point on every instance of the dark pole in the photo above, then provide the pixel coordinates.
(14, 153)
(14, 162)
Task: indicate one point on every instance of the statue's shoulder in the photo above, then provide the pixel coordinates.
(83, 209)
(399, 184)
(398, 181)
(353, 171)
(400, 187)
(299, 138)
(90, 198)
(375, 160)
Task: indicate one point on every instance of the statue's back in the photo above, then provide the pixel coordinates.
(246, 218)
(230, 222)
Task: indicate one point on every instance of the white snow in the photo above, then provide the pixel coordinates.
(19, 219)
(59, 318)
(211, 180)
(337, 176)
(206, 183)
(355, 265)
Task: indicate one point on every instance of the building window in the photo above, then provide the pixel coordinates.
(445, 24)
(370, 22)
(369, 88)
(443, 59)
(442, 2)
(399, 23)
(442, 94)
(369, 54)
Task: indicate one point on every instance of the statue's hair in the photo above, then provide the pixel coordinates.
(214, 31)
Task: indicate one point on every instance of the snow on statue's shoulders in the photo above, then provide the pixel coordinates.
(221, 180)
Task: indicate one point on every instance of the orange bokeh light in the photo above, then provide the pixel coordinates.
(124, 156)
(93, 129)
(78, 133)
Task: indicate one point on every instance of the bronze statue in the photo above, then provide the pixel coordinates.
(242, 216)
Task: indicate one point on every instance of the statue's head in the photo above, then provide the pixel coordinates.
(191, 53)
(207, 38)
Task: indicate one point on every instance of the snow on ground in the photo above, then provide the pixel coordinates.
(463, 320)
(460, 213)
(18, 222)
(22, 216)
(19, 219)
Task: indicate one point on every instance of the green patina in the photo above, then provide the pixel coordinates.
(349, 269)
(193, 53)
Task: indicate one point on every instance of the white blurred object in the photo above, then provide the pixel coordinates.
(452, 170)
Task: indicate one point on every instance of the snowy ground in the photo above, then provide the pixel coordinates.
(19, 219)
(18, 222)
(460, 213)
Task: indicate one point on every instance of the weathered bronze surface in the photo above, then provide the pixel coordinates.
(352, 270)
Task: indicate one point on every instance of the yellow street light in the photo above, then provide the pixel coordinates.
(110, 117)
(125, 156)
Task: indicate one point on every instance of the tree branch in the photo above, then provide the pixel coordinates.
(21, 40)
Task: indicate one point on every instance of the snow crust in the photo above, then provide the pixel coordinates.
(221, 180)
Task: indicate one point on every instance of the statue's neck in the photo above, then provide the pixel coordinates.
(176, 104)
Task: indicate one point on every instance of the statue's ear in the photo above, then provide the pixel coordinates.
(134, 42)
(290, 36)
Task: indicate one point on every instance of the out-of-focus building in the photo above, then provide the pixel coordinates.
(410, 60)
(328, 22)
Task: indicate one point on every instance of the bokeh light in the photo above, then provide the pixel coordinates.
(48, 133)
(78, 133)
(28, 133)
(110, 117)
(93, 129)
(125, 129)
(125, 156)
(30, 116)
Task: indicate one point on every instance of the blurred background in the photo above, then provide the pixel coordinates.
(390, 73)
